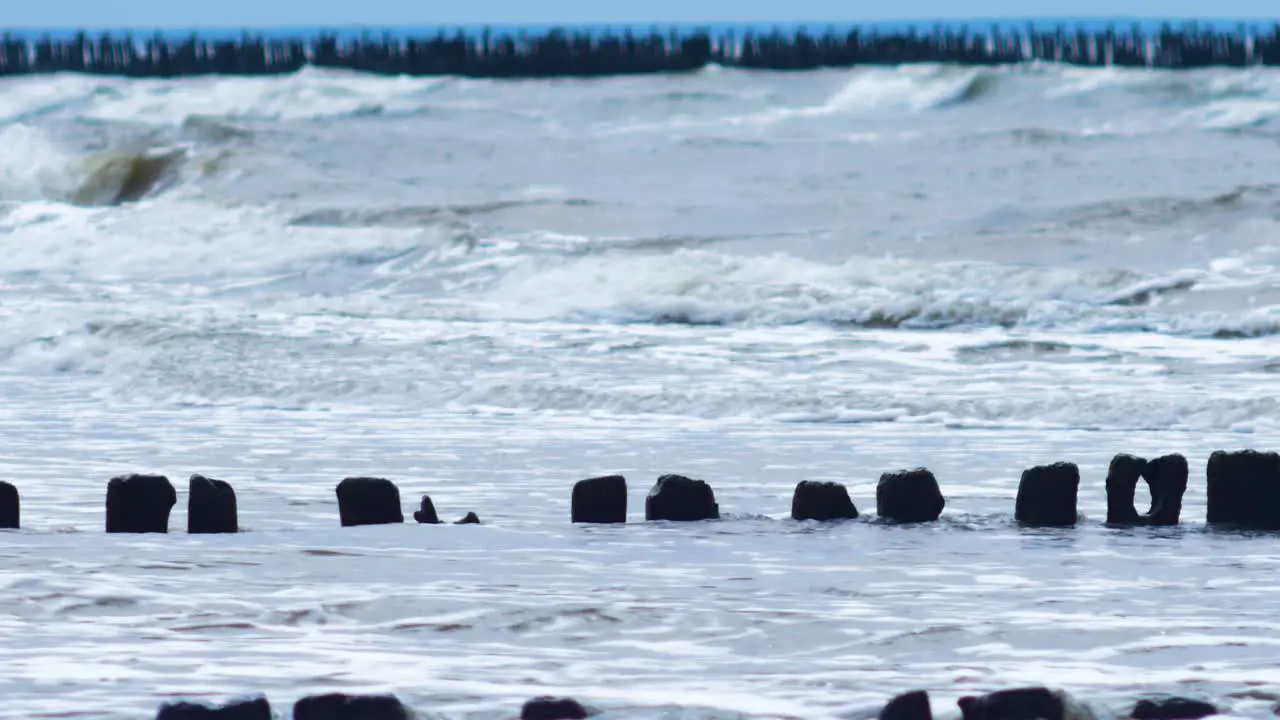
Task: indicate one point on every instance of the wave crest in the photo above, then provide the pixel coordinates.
(127, 175)
(916, 88)
(34, 168)
(309, 94)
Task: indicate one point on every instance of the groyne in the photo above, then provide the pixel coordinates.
(1035, 702)
(596, 53)
(1242, 490)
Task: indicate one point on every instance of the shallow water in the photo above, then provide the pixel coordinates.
(487, 291)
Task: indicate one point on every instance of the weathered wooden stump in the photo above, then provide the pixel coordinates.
(682, 499)
(368, 501)
(139, 504)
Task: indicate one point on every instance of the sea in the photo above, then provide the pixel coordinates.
(486, 291)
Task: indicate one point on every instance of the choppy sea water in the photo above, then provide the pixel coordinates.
(486, 291)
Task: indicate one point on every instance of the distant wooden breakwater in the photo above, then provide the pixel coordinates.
(1242, 488)
(570, 53)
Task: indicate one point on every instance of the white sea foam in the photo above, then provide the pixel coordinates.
(32, 166)
(27, 97)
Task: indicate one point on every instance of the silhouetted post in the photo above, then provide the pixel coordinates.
(822, 501)
(139, 504)
(211, 507)
(368, 501)
(9, 507)
(909, 496)
(675, 497)
(600, 500)
(1244, 489)
(1047, 496)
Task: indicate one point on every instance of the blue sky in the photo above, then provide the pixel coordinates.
(262, 13)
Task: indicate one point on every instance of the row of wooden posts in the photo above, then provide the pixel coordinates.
(560, 52)
(1243, 489)
(341, 706)
(1024, 703)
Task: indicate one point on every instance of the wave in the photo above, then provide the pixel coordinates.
(127, 175)
(913, 87)
(704, 287)
(1210, 99)
(23, 99)
(1233, 114)
(308, 94)
(1038, 136)
(1236, 217)
(1157, 85)
(215, 130)
(836, 379)
(1170, 211)
(297, 319)
(33, 167)
(1150, 100)
(1215, 99)
(978, 86)
(415, 261)
(922, 87)
(421, 215)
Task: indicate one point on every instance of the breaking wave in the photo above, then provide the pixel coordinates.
(1195, 85)
(1210, 99)
(1166, 211)
(34, 168)
(844, 380)
(329, 248)
(1213, 99)
(916, 88)
(704, 287)
(419, 215)
(911, 88)
(308, 94)
(126, 175)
